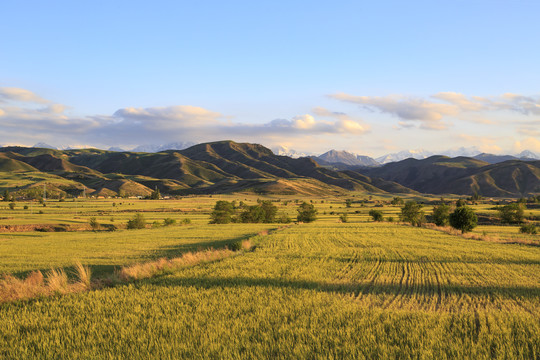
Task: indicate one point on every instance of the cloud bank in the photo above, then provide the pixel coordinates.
(27, 117)
(431, 112)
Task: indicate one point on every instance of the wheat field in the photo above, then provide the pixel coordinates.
(321, 290)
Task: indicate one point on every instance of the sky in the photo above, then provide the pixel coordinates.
(370, 77)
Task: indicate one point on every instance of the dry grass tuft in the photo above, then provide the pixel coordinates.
(246, 244)
(12, 288)
(84, 274)
(149, 269)
(57, 281)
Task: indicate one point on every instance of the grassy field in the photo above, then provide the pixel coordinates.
(104, 251)
(322, 290)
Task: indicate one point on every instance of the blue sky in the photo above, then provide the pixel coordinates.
(369, 77)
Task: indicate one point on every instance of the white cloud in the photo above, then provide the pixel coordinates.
(529, 131)
(432, 114)
(18, 94)
(461, 101)
(530, 143)
(483, 143)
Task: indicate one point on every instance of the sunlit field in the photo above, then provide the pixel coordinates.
(327, 289)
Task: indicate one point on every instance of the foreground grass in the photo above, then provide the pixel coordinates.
(310, 291)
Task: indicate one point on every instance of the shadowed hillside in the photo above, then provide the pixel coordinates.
(462, 175)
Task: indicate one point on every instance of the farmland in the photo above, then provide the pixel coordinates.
(321, 290)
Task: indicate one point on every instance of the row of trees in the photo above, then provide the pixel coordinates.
(462, 218)
(265, 211)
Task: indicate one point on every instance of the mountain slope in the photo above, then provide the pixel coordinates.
(205, 168)
(462, 175)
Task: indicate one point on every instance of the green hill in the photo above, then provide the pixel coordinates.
(462, 175)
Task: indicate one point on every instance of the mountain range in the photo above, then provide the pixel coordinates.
(227, 166)
(217, 167)
(340, 157)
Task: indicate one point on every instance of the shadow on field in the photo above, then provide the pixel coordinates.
(179, 249)
(356, 289)
(98, 271)
(101, 270)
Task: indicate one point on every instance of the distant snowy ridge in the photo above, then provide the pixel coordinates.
(181, 145)
(285, 151)
(347, 158)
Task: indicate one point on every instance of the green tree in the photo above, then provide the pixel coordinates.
(6, 195)
(252, 214)
(461, 203)
(463, 218)
(377, 215)
(512, 213)
(348, 203)
(222, 213)
(441, 214)
(264, 212)
(413, 213)
(270, 211)
(306, 212)
(137, 222)
(12, 205)
(397, 201)
(155, 195)
(344, 218)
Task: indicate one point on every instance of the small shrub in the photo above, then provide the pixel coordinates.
(528, 229)
(156, 224)
(390, 219)
(60, 228)
(285, 219)
(235, 246)
(40, 212)
(12, 205)
(137, 222)
(186, 221)
(168, 222)
(344, 218)
(25, 207)
(93, 223)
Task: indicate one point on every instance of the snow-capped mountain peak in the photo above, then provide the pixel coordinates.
(405, 154)
(285, 151)
(181, 145)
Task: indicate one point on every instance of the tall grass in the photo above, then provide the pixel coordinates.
(84, 274)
